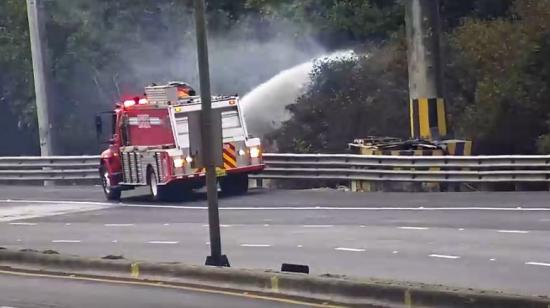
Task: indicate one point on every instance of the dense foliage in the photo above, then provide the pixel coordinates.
(496, 79)
(497, 72)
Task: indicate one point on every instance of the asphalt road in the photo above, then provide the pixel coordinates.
(498, 241)
(35, 292)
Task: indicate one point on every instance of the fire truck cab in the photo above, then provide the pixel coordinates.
(156, 142)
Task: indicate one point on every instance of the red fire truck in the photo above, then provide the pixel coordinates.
(156, 142)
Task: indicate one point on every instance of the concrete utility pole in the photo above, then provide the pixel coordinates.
(209, 141)
(427, 103)
(39, 62)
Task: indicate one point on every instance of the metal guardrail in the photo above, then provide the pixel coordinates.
(472, 169)
(484, 169)
(28, 168)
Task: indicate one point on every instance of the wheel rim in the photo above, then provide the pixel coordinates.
(106, 182)
(154, 185)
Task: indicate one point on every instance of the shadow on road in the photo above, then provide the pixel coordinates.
(197, 198)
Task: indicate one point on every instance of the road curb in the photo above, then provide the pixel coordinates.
(346, 291)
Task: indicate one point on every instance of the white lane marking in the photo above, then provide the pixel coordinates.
(461, 229)
(57, 202)
(413, 228)
(266, 225)
(395, 252)
(166, 225)
(163, 242)
(114, 241)
(492, 259)
(119, 225)
(318, 226)
(538, 264)
(513, 231)
(300, 246)
(68, 224)
(27, 209)
(350, 249)
(6, 307)
(255, 245)
(66, 241)
(19, 240)
(23, 223)
(362, 226)
(444, 256)
(335, 208)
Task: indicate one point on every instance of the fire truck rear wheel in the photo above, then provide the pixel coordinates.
(112, 194)
(234, 184)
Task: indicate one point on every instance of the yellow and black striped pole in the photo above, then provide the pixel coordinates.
(427, 104)
(428, 118)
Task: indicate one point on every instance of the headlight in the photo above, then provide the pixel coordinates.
(189, 159)
(242, 152)
(178, 162)
(255, 152)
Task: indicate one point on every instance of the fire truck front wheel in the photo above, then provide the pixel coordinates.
(111, 193)
(234, 184)
(158, 192)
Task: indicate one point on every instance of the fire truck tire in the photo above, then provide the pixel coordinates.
(112, 194)
(234, 184)
(158, 192)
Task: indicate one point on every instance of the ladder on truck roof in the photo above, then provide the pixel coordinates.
(168, 95)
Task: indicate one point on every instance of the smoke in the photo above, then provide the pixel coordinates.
(240, 58)
(272, 72)
(265, 106)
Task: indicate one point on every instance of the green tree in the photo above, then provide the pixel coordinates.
(348, 99)
(15, 61)
(506, 106)
(496, 77)
(17, 118)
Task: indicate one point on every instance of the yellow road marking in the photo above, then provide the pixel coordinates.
(275, 284)
(134, 270)
(114, 280)
(408, 299)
